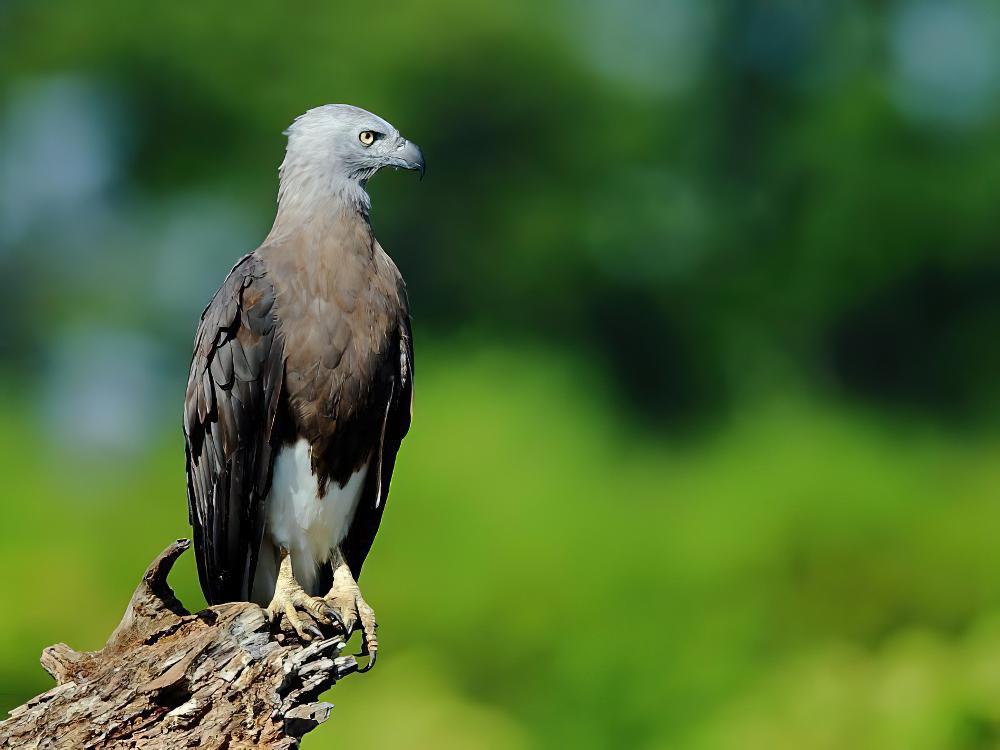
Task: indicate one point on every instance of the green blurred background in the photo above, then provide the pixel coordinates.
(706, 300)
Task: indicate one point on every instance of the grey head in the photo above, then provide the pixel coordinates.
(349, 143)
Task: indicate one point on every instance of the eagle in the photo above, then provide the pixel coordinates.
(301, 388)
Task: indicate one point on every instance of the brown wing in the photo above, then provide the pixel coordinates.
(395, 379)
(231, 426)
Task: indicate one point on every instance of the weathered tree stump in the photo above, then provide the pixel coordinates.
(166, 678)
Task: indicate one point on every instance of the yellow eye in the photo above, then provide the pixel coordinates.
(367, 137)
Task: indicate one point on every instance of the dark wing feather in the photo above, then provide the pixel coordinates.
(395, 380)
(231, 426)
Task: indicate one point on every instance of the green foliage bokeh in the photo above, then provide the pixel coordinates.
(706, 298)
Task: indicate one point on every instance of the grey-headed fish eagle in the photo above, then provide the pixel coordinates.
(301, 388)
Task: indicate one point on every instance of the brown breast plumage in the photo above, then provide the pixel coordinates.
(339, 304)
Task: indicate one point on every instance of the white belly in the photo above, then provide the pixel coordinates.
(297, 518)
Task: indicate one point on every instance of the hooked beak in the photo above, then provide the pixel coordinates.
(407, 156)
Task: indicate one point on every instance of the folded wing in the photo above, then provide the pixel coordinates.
(395, 381)
(232, 425)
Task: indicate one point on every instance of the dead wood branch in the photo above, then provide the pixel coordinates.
(166, 678)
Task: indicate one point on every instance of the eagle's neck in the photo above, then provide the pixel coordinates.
(311, 194)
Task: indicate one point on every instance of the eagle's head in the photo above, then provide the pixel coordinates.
(349, 144)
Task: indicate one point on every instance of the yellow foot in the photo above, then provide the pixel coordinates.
(290, 599)
(345, 599)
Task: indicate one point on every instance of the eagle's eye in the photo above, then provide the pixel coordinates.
(367, 137)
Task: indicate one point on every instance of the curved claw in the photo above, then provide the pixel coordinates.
(335, 615)
(313, 631)
(371, 660)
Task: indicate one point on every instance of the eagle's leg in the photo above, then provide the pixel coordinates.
(345, 597)
(289, 597)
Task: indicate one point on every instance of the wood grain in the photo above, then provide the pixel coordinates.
(218, 679)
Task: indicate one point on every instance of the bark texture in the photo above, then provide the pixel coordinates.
(217, 679)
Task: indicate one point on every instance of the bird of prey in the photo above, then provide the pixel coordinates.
(300, 390)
